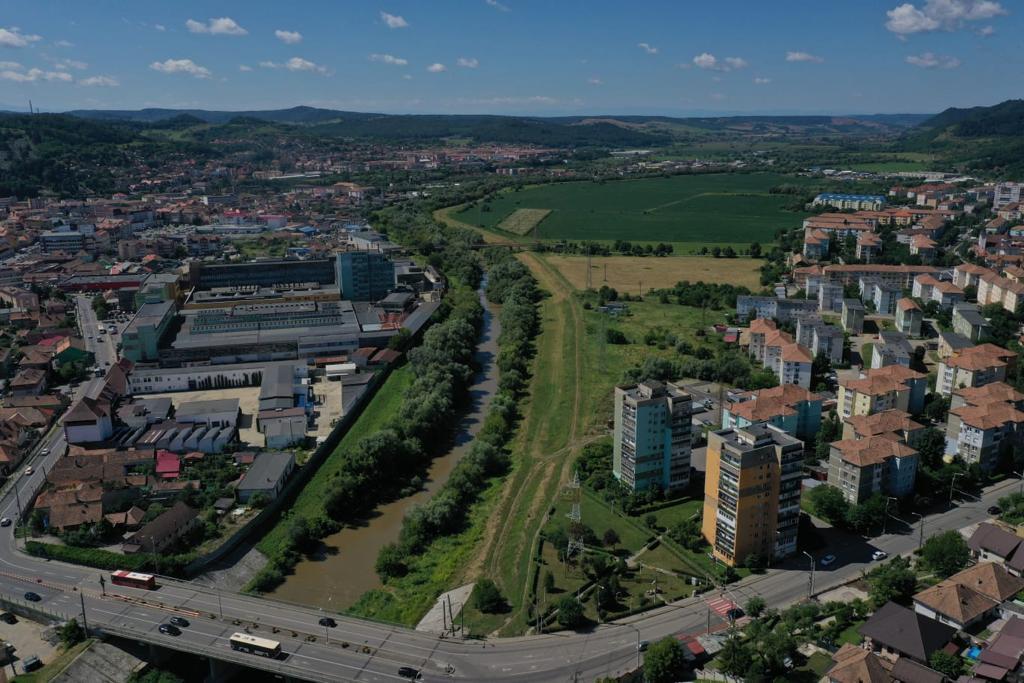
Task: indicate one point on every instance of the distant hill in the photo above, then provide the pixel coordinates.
(977, 138)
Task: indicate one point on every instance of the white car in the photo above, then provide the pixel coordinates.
(45, 451)
(828, 560)
(879, 555)
(29, 471)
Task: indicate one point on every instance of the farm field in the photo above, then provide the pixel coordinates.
(522, 221)
(627, 273)
(715, 208)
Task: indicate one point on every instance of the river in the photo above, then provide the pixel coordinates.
(342, 570)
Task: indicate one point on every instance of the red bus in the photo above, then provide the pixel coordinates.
(133, 579)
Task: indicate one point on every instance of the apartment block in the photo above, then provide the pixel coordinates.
(969, 322)
(969, 275)
(760, 328)
(830, 297)
(792, 409)
(888, 388)
(652, 436)
(891, 348)
(909, 317)
(853, 316)
(752, 493)
(1008, 193)
(784, 310)
(974, 367)
(862, 468)
(892, 424)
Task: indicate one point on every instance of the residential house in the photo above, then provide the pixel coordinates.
(266, 476)
(791, 408)
(852, 664)
(162, 532)
(908, 317)
(992, 543)
(894, 632)
(88, 421)
(1001, 659)
(972, 596)
(28, 382)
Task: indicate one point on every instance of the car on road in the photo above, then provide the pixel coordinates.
(6, 521)
(879, 555)
(643, 645)
(45, 451)
(409, 672)
(169, 630)
(32, 597)
(827, 561)
(29, 471)
(734, 614)
(995, 510)
(328, 622)
(180, 621)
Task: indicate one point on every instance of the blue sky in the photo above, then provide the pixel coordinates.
(546, 57)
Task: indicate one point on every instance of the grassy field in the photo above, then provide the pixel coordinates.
(310, 501)
(628, 273)
(522, 221)
(719, 208)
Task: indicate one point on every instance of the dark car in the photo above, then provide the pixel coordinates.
(8, 618)
(409, 672)
(995, 510)
(734, 614)
(170, 630)
(31, 664)
(180, 621)
(327, 621)
(32, 597)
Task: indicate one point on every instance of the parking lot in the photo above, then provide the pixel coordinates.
(248, 403)
(30, 638)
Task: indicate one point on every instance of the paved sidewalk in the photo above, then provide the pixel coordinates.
(434, 620)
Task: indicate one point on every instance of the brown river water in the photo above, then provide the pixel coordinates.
(342, 570)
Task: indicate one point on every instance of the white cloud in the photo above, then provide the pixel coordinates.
(388, 59)
(406, 77)
(948, 15)
(762, 81)
(10, 65)
(436, 68)
(65, 64)
(64, 43)
(99, 82)
(706, 60)
(803, 57)
(393, 20)
(298, 64)
(181, 66)
(595, 81)
(498, 6)
(244, 67)
(222, 26)
(160, 27)
(468, 62)
(33, 75)
(986, 31)
(288, 37)
(13, 37)
(930, 60)
(648, 48)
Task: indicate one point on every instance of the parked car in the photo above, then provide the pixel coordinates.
(180, 621)
(734, 614)
(31, 664)
(6, 521)
(170, 630)
(879, 555)
(827, 561)
(995, 510)
(8, 618)
(328, 622)
(409, 672)
(32, 597)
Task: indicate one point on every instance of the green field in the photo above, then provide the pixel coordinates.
(719, 208)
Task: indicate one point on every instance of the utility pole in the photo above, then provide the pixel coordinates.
(920, 536)
(952, 483)
(85, 624)
(810, 584)
(103, 585)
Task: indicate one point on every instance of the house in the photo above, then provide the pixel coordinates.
(163, 532)
(974, 367)
(791, 408)
(951, 343)
(28, 382)
(893, 386)
(991, 543)
(908, 317)
(759, 329)
(1003, 654)
(168, 465)
(88, 421)
(129, 519)
(969, 597)
(862, 468)
(891, 348)
(266, 475)
(854, 664)
(894, 631)
(853, 316)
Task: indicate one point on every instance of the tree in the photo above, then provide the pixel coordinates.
(734, 657)
(570, 612)
(866, 516)
(755, 606)
(487, 598)
(950, 665)
(828, 503)
(71, 633)
(664, 661)
(893, 581)
(931, 446)
(946, 553)
(651, 521)
(610, 538)
(391, 562)
(549, 582)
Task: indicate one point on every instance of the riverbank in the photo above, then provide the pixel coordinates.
(342, 568)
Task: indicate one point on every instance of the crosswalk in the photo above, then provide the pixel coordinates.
(721, 606)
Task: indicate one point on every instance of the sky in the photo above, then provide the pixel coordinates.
(537, 57)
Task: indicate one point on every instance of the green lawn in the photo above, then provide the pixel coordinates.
(719, 208)
(381, 408)
(850, 635)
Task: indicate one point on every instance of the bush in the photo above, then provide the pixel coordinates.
(946, 553)
(570, 612)
(487, 598)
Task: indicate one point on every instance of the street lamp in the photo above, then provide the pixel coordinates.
(810, 585)
(885, 516)
(952, 483)
(920, 537)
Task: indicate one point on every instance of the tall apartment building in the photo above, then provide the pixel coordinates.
(365, 275)
(1008, 193)
(752, 493)
(652, 436)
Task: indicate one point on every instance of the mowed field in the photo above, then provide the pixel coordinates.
(629, 273)
(721, 208)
